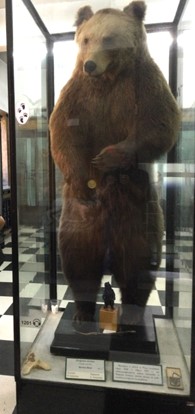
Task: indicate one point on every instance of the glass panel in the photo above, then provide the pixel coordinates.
(5, 153)
(32, 172)
(109, 228)
(65, 53)
(184, 183)
(2, 28)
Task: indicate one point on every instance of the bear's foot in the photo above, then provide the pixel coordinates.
(83, 322)
(83, 319)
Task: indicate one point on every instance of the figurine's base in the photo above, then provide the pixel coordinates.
(138, 343)
(108, 319)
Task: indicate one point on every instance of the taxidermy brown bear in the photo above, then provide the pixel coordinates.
(113, 119)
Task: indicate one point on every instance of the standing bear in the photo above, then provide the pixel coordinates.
(113, 119)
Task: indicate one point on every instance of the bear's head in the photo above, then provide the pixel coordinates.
(110, 40)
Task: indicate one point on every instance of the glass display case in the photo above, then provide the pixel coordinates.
(149, 365)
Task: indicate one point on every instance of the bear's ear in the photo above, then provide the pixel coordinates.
(136, 9)
(84, 13)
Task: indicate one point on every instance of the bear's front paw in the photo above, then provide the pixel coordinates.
(111, 158)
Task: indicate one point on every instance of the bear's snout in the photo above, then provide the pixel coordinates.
(90, 66)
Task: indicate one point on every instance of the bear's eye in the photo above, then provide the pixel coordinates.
(108, 41)
(85, 40)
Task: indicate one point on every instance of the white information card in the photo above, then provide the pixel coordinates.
(85, 369)
(137, 373)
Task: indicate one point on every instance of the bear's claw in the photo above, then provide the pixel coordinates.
(111, 158)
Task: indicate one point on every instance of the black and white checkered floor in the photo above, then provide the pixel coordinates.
(31, 250)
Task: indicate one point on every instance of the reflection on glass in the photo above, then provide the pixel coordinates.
(184, 176)
(39, 313)
(4, 152)
(32, 170)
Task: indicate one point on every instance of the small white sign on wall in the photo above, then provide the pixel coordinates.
(22, 112)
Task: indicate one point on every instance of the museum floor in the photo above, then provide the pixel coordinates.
(32, 251)
(7, 383)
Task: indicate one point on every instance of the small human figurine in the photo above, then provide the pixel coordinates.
(108, 296)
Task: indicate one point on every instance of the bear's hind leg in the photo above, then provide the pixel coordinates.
(82, 255)
(131, 268)
(83, 271)
(134, 296)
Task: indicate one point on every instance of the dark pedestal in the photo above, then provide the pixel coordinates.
(138, 343)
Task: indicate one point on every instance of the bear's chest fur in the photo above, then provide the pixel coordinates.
(104, 111)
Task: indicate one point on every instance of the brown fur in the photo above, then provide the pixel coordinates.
(114, 114)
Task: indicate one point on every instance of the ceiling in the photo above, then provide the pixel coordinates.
(59, 15)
